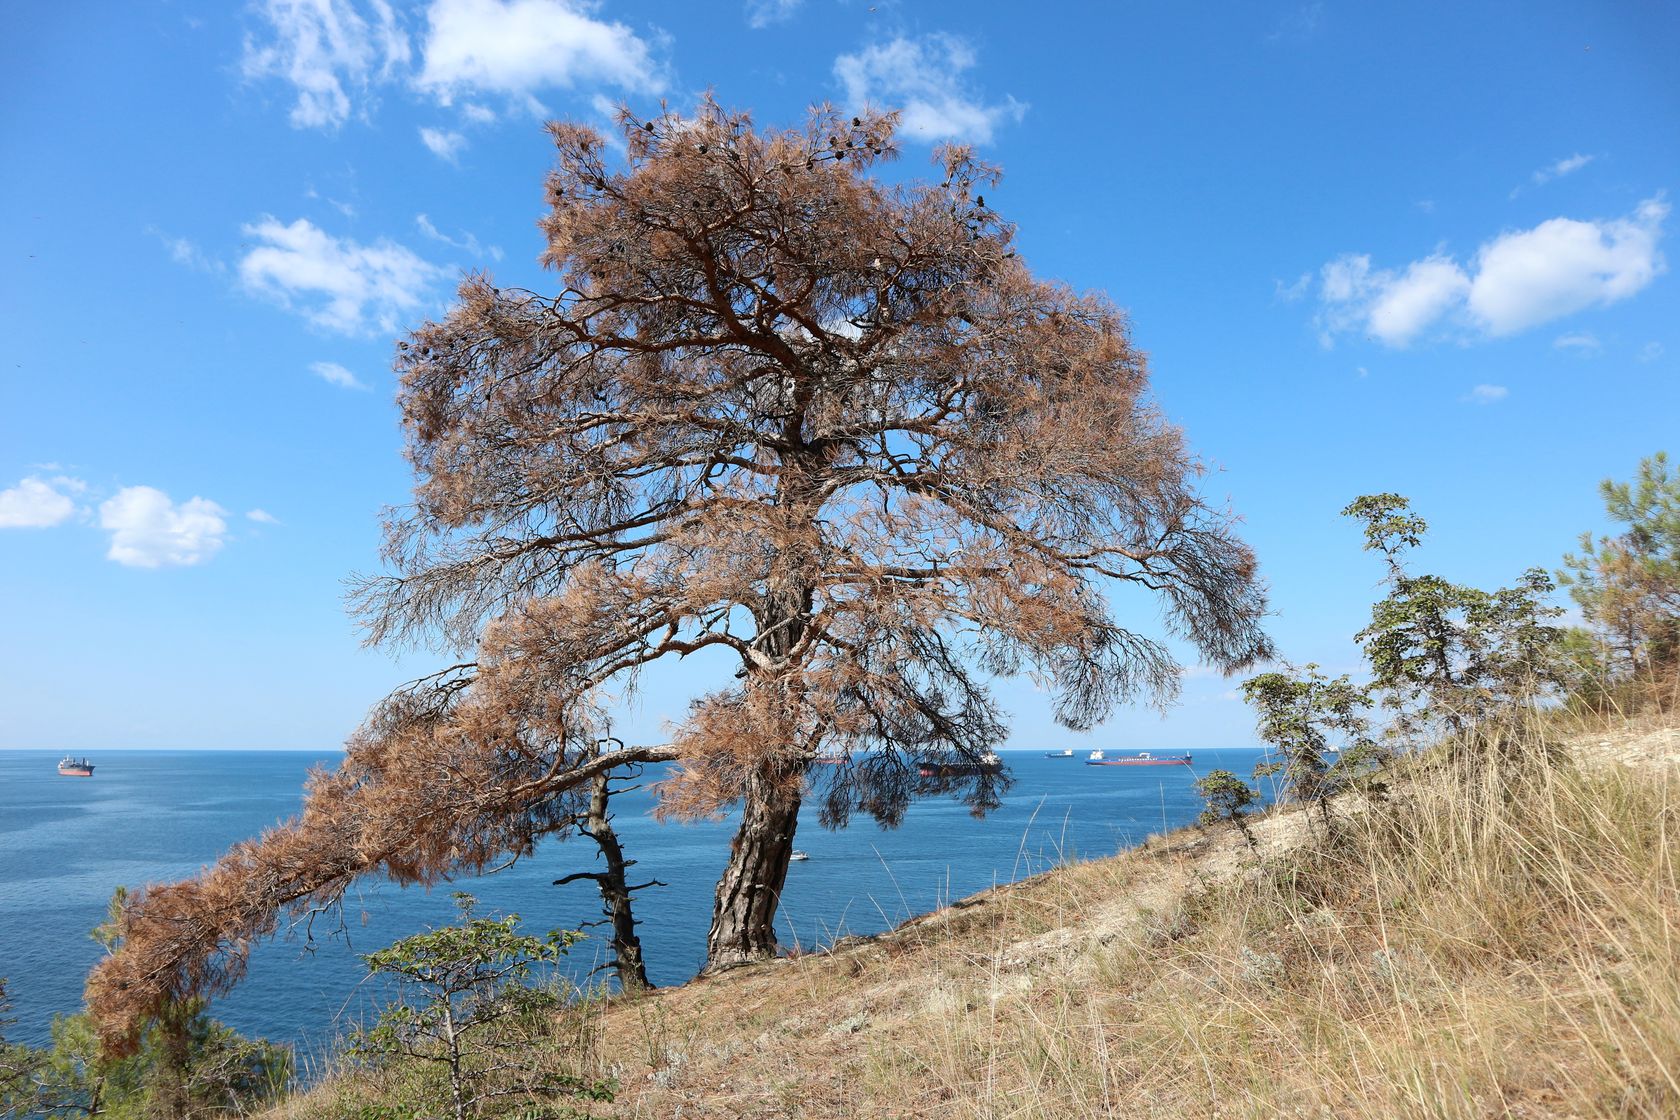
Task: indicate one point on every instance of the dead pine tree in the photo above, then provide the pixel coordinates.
(779, 411)
(627, 962)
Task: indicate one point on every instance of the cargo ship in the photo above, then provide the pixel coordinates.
(1068, 753)
(75, 767)
(988, 763)
(1142, 758)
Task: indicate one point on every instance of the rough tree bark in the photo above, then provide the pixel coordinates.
(750, 889)
(628, 962)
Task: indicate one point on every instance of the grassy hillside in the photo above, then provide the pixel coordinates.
(1490, 940)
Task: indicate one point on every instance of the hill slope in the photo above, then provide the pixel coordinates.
(1484, 942)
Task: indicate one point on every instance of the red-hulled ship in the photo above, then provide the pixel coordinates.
(988, 763)
(75, 767)
(1142, 758)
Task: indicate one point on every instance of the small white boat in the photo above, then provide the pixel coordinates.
(798, 855)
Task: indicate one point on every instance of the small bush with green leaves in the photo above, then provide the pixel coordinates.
(1227, 800)
(468, 1003)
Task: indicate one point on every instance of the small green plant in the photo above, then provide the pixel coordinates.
(1307, 717)
(1444, 654)
(1228, 798)
(467, 1005)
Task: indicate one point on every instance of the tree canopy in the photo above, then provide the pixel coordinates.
(779, 407)
(1628, 585)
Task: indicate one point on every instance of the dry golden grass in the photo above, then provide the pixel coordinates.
(1495, 940)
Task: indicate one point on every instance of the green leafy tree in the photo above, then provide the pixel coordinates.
(1227, 799)
(1628, 585)
(195, 1067)
(18, 1063)
(466, 1004)
(1444, 653)
(1306, 717)
(186, 1065)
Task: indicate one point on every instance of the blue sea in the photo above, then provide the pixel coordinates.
(156, 816)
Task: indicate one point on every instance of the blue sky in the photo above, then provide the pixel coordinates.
(1401, 247)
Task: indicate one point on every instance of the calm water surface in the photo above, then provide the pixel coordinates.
(153, 816)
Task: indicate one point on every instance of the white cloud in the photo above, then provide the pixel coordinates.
(443, 144)
(1298, 26)
(262, 517)
(515, 47)
(1289, 293)
(335, 374)
(1651, 351)
(1516, 281)
(345, 208)
(924, 78)
(323, 46)
(1408, 303)
(467, 243)
(343, 286)
(150, 531)
(478, 114)
(1562, 266)
(1486, 394)
(763, 13)
(184, 252)
(36, 503)
(1584, 342)
(1561, 168)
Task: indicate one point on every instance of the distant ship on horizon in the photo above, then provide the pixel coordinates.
(1142, 758)
(71, 767)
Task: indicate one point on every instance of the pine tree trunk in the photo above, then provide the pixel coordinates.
(615, 892)
(744, 913)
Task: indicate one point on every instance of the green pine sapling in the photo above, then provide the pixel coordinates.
(467, 1004)
(1227, 800)
(1306, 716)
(1444, 654)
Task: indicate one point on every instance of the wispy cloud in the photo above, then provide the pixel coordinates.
(334, 374)
(38, 503)
(185, 252)
(148, 530)
(926, 79)
(262, 517)
(444, 144)
(1582, 342)
(1298, 25)
(763, 13)
(518, 47)
(1486, 394)
(338, 284)
(1555, 170)
(1651, 351)
(329, 51)
(466, 242)
(1561, 168)
(1289, 293)
(1516, 281)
